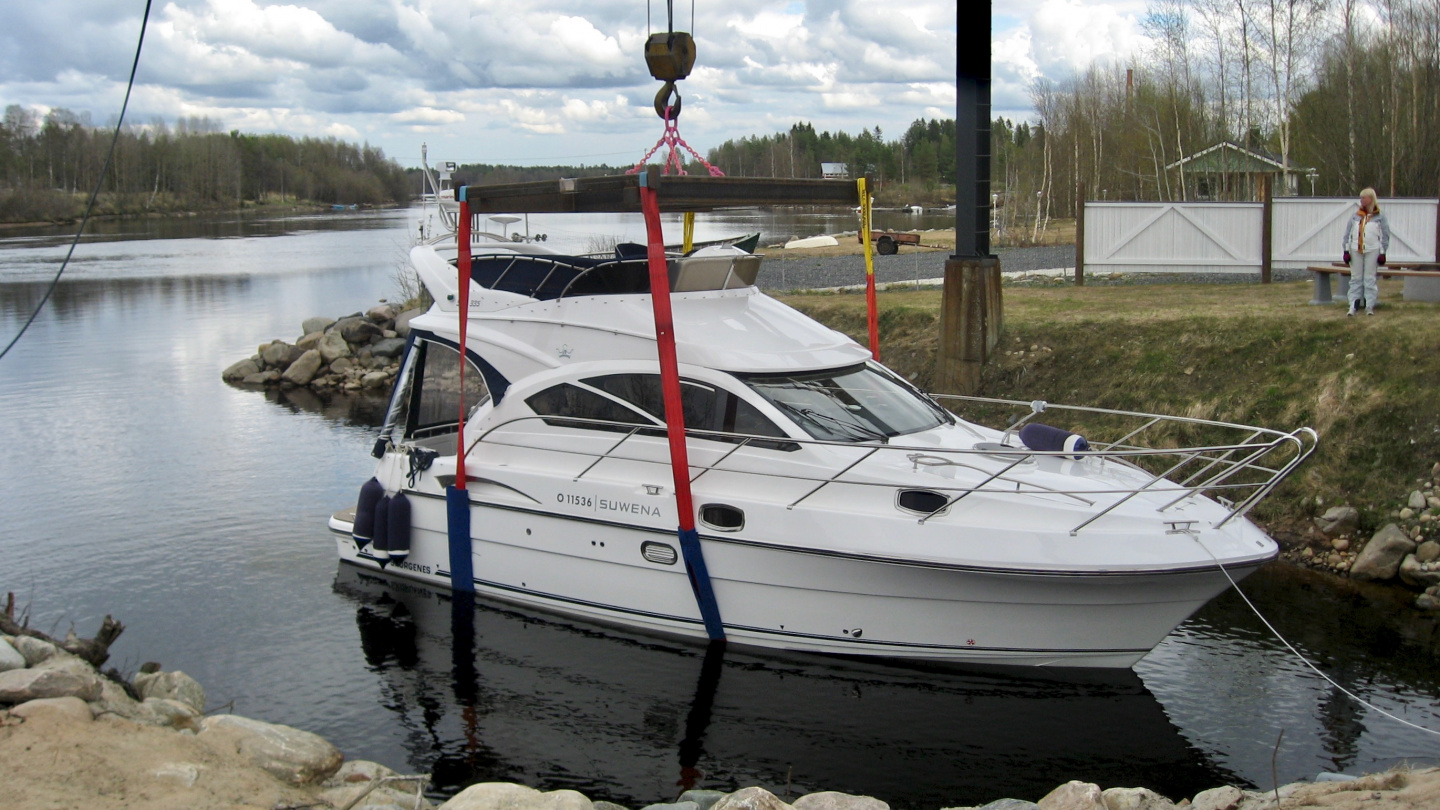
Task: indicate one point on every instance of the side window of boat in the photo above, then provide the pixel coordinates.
(573, 401)
(706, 407)
(435, 390)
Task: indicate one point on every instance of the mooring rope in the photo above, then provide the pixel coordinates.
(1291, 647)
(89, 206)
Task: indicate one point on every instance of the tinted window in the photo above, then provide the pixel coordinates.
(706, 407)
(435, 400)
(571, 400)
(858, 403)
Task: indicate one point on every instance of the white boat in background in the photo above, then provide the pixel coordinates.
(840, 510)
(812, 242)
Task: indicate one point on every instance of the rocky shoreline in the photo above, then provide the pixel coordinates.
(356, 352)
(1405, 551)
(72, 736)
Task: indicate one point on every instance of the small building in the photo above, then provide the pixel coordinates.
(1229, 171)
(835, 171)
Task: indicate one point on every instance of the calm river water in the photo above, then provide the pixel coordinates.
(139, 484)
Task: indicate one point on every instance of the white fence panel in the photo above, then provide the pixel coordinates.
(1309, 230)
(1170, 237)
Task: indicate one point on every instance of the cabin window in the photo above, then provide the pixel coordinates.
(852, 404)
(434, 390)
(576, 402)
(706, 407)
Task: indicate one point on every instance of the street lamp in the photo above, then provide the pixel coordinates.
(1312, 176)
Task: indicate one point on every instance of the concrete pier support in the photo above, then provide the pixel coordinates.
(971, 319)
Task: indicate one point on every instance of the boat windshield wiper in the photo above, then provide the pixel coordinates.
(816, 418)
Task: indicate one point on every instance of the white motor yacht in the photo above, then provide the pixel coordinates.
(839, 509)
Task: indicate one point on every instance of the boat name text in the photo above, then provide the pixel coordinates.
(608, 505)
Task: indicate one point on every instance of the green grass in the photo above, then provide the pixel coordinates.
(1255, 354)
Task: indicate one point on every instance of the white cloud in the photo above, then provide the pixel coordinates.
(544, 77)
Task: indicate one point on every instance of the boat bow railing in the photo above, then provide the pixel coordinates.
(1237, 473)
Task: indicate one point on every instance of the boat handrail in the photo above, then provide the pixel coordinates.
(1247, 470)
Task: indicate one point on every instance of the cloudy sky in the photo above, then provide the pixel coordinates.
(537, 81)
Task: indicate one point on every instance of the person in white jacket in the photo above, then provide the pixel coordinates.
(1367, 237)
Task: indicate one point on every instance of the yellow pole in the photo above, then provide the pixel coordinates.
(689, 232)
(870, 303)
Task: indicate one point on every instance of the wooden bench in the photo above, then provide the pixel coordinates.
(1424, 287)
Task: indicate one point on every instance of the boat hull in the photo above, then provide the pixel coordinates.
(801, 599)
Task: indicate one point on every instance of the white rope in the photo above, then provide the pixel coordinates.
(1302, 658)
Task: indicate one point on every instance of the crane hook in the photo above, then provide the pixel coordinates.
(663, 101)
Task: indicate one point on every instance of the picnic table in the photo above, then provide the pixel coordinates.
(1422, 280)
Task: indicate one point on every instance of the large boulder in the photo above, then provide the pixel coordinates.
(832, 800)
(402, 328)
(357, 330)
(751, 798)
(319, 323)
(1381, 557)
(1417, 574)
(303, 370)
(171, 686)
(289, 754)
(1009, 804)
(239, 370)
(507, 796)
(10, 658)
(114, 700)
(380, 313)
(1135, 799)
(166, 713)
(1074, 795)
(71, 707)
(705, 798)
(389, 347)
(375, 380)
(34, 649)
(1220, 798)
(279, 355)
(21, 685)
(332, 347)
(309, 341)
(1338, 520)
(1428, 551)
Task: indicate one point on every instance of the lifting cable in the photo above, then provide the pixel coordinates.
(1301, 657)
(89, 206)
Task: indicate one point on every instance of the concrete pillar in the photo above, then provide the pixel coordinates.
(971, 320)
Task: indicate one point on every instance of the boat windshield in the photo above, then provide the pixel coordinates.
(852, 404)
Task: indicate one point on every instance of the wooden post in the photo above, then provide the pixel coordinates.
(1080, 234)
(1267, 214)
(971, 319)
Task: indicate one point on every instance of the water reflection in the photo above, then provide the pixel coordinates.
(493, 693)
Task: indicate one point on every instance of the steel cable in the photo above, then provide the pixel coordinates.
(100, 181)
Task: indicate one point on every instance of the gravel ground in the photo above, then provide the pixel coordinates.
(783, 272)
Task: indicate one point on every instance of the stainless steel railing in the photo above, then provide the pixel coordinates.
(1237, 473)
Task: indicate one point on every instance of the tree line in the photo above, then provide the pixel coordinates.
(49, 164)
(1342, 91)
(923, 157)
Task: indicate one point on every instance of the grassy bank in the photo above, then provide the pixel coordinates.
(1243, 353)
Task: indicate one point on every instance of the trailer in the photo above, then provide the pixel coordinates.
(887, 243)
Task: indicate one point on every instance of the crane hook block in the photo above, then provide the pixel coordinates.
(670, 56)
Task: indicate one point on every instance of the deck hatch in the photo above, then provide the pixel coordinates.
(920, 501)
